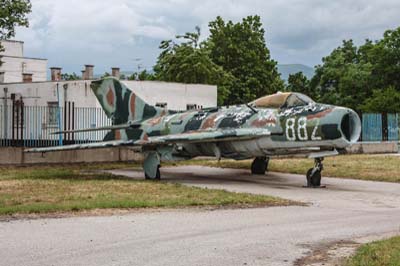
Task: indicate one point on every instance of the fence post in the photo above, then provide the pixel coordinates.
(59, 117)
(5, 112)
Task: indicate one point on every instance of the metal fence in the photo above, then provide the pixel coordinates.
(380, 127)
(32, 126)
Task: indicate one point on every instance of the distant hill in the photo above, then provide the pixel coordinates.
(288, 69)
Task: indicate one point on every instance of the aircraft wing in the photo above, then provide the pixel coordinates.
(187, 137)
(207, 136)
(130, 124)
(103, 144)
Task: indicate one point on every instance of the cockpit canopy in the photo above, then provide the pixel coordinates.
(282, 100)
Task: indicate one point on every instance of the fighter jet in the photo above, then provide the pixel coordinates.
(281, 124)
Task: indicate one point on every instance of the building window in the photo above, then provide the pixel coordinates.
(26, 78)
(162, 105)
(52, 117)
(191, 106)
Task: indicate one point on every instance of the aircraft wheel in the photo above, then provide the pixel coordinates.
(158, 175)
(313, 180)
(259, 166)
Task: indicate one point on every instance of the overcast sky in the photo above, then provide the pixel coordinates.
(71, 33)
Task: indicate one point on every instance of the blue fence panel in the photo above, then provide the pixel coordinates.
(372, 127)
(393, 126)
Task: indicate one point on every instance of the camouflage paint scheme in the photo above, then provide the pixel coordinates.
(238, 132)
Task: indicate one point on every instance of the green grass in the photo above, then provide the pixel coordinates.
(45, 189)
(379, 253)
(365, 167)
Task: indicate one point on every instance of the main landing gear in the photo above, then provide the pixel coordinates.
(151, 166)
(314, 174)
(259, 165)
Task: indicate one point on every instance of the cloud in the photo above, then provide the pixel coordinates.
(112, 33)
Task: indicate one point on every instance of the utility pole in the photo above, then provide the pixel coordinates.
(138, 60)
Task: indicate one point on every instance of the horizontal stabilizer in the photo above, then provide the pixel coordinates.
(134, 124)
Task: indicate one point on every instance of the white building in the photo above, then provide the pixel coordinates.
(29, 104)
(29, 110)
(17, 68)
(174, 96)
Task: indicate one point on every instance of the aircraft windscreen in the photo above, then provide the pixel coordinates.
(282, 100)
(271, 101)
(297, 99)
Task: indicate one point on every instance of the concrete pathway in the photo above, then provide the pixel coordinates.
(345, 210)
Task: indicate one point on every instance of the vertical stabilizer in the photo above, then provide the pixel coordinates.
(120, 103)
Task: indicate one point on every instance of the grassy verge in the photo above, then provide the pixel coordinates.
(366, 167)
(72, 188)
(379, 253)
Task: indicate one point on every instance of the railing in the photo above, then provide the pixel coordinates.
(32, 126)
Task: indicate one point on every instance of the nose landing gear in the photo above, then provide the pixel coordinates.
(314, 174)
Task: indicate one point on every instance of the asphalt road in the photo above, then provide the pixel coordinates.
(345, 210)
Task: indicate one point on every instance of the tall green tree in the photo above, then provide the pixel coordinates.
(384, 57)
(189, 62)
(386, 100)
(240, 49)
(343, 79)
(298, 82)
(353, 76)
(13, 13)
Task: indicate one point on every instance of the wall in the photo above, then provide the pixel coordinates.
(40, 93)
(374, 147)
(15, 64)
(13, 48)
(177, 95)
(14, 67)
(16, 156)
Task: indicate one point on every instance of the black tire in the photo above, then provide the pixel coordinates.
(315, 179)
(158, 175)
(259, 166)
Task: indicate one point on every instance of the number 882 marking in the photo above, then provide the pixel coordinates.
(301, 133)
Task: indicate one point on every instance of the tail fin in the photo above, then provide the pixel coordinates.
(120, 103)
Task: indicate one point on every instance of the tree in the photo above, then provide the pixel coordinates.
(384, 57)
(133, 76)
(106, 74)
(298, 82)
(73, 76)
(240, 49)
(189, 62)
(342, 79)
(12, 14)
(350, 74)
(386, 100)
(145, 75)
